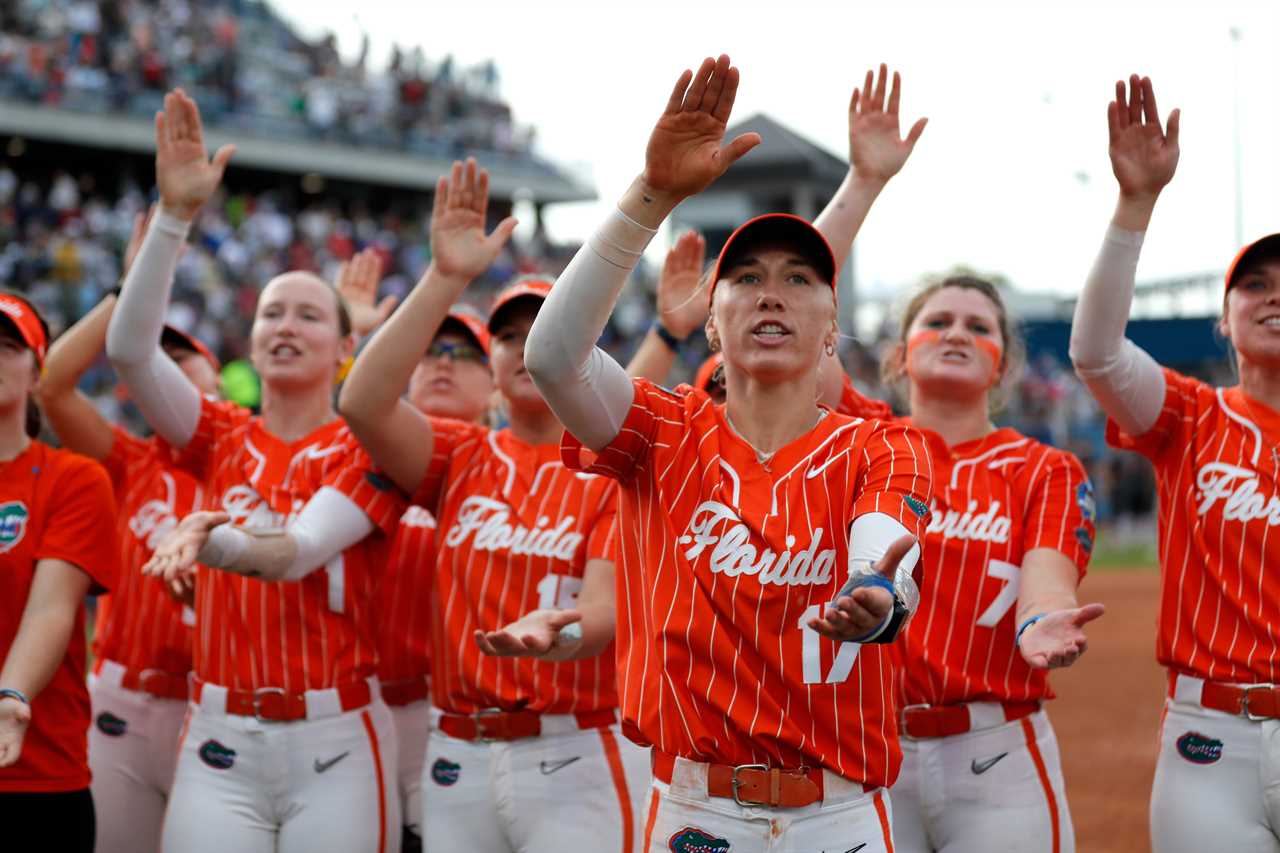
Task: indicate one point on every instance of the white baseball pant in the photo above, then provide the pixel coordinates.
(412, 722)
(993, 790)
(133, 750)
(1217, 784)
(566, 789)
(683, 819)
(254, 786)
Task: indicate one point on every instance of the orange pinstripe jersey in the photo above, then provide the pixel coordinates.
(404, 600)
(300, 635)
(139, 625)
(994, 499)
(515, 531)
(855, 404)
(725, 558)
(1218, 476)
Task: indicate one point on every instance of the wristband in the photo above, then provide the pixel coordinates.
(14, 693)
(667, 338)
(1017, 638)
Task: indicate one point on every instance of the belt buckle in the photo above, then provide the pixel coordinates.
(736, 783)
(478, 717)
(1244, 702)
(906, 709)
(257, 701)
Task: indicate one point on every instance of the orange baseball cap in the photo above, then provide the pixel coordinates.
(531, 287)
(24, 318)
(1263, 247)
(702, 379)
(469, 324)
(180, 338)
(777, 228)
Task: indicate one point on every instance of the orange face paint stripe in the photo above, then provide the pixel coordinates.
(1029, 732)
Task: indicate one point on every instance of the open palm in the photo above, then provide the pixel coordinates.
(1143, 155)
(174, 559)
(685, 154)
(459, 246)
(184, 173)
(15, 716)
(876, 148)
(681, 304)
(358, 283)
(1058, 639)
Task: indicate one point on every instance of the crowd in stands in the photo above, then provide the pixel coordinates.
(250, 72)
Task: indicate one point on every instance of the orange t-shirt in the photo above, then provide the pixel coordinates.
(54, 504)
(1218, 476)
(994, 500)
(516, 529)
(725, 558)
(139, 625)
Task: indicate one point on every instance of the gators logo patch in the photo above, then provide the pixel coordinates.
(445, 772)
(1084, 500)
(694, 840)
(1199, 749)
(216, 755)
(1085, 540)
(13, 524)
(917, 506)
(110, 724)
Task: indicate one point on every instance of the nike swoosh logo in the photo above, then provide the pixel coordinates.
(980, 767)
(322, 766)
(549, 767)
(856, 849)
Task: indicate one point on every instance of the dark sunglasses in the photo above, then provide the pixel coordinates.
(467, 353)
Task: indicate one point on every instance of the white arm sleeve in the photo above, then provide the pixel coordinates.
(166, 398)
(1124, 378)
(589, 391)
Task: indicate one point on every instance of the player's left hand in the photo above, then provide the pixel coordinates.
(15, 716)
(532, 635)
(1058, 639)
(858, 614)
(174, 560)
(358, 284)
(876, 150)
(681, 304)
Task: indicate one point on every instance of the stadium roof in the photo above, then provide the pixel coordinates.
(782, 153)
(542, 182)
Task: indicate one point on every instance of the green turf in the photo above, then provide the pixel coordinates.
(1123, 557)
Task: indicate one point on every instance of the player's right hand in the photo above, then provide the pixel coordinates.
(685, 154)
(174, 559)
(532, 635)
(861, 611)
(681, 304)
(459, 247)
(15, 716)
(185, 175)
(1143, 155)
(876, 150)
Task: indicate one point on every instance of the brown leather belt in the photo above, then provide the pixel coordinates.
(928, 721)
(752, 784)
(513, 725)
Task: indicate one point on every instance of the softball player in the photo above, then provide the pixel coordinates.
(748, 663)
(288, 745)
(57, 543)
(522, 754)
(1217, 470)
(451, 380)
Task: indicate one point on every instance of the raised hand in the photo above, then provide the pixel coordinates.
(15, 716)
(685, 153)
(459, 246)
(358, 283)
(876, 150)
(1057, 639)
(859, 612)
(681, 303)
(532, 635)
(174, 560)
(184, 173)
(1143, 155)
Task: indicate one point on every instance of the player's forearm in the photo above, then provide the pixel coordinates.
(1048, 583)
(589, 391)
(653, 360)
(39, 645)
(843, 216)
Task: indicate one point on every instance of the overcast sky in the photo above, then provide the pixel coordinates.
(1011, 175)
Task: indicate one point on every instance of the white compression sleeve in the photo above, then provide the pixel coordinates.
(1124, 378)
(329, 524)
(589, 391)
(870, 536)
(166, 398)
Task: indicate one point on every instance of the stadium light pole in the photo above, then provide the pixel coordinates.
(1239, 181)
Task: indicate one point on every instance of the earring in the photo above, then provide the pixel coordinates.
(714, 345)
(831, 347)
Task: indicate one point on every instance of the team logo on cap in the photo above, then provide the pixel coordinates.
(1199, 749)
(216, 755)
(13, 524)
(445, 772)
(110, 724)
(694, 840)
